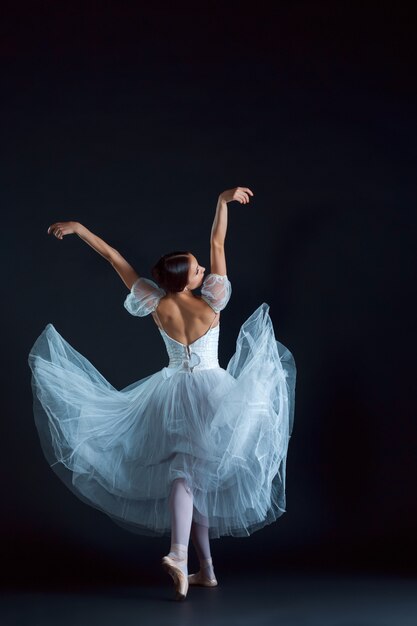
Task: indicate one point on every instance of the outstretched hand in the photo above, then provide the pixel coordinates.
(59, 229)
(241, 194)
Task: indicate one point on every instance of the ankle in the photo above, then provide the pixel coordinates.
(178, 552)
(178, 547)
(207, 569)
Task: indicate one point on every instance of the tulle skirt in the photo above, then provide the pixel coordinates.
(226, 431)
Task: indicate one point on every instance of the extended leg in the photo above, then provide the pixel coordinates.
(181, 507)
(176, 562)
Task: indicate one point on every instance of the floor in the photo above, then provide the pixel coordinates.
(292, 599)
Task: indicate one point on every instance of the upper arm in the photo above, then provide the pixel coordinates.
(217, 259)
(144, 297)
(216, 291)
(126, 272)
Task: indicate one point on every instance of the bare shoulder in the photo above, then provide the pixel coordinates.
(187, 307)
(167, 302)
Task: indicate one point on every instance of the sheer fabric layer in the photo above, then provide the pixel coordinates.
(145, 294)
(226, 431)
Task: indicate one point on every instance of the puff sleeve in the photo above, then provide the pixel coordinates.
(144, 297)
(216, 291)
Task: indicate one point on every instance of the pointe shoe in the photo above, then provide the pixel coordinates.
(200, 579)
(176, 573)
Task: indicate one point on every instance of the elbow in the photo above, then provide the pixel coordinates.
(216, 243)
(113, 255)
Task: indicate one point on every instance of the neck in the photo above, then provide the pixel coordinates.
(184, 292)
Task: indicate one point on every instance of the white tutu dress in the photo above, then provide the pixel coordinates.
(226, 431)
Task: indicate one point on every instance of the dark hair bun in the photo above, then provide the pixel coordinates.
(171, 270)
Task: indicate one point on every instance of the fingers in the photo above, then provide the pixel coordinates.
(242, 194)
(56, 230)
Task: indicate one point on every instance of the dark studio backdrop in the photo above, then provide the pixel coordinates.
(132, 119)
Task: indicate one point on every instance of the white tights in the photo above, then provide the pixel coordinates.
(182, 525)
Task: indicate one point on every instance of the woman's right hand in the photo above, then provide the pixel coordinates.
(59, 229)
(241, 194)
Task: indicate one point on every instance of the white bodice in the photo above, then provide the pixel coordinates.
(199, 355)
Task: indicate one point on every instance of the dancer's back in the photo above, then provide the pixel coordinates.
(185, 318)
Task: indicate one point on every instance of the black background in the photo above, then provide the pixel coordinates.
(132, 118)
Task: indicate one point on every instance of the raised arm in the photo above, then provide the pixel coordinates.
(219, 228)
(122, 267)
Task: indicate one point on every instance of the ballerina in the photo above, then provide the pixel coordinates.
(193, 450)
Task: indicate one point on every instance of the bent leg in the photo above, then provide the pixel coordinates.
(201, 542)
(200, 539)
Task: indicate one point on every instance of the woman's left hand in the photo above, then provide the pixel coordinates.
(59, 229)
